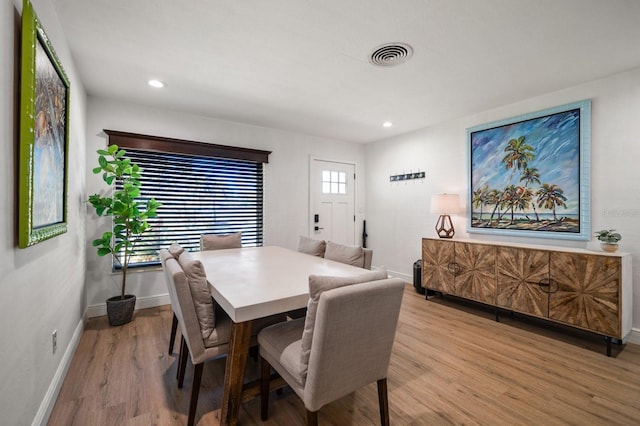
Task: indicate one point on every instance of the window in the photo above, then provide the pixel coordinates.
(200, 194)
(334, 182)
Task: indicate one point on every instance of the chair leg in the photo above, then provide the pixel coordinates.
(195, 391)
(264, 389)
(312, 418)
(254, 352)
(174, 328)
(383, 400)
(182, 361)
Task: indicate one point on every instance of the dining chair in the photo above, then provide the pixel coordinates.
(310, 246)
(351, 255)
(344, 342)
(220, 241)
(368, 258)
(205, 326)
(174, 250)
(211, 242)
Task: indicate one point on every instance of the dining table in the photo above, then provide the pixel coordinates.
(256, 282)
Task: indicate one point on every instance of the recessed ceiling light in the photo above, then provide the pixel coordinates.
(156, 83)
(387, 124)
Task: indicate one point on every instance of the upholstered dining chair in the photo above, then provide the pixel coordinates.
(344, 342)
(219, 241)
(175, 250)
(205, 327)
(351, 255)
(207, 242)
(368, 258)
(310, 246)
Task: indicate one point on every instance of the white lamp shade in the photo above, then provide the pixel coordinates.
(445, 203)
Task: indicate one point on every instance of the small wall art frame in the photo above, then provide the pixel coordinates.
(44, 136)
(529, 176)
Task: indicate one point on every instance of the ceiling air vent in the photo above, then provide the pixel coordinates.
(391, 54)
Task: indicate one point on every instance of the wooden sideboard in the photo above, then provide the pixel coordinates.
(575, 287)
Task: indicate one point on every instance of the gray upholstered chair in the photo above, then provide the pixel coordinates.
(175, 250)
(351, 255)
(219, 241)
(205, 334)
(205, 326)
(368, 258)
(310, 246)
(344, 343)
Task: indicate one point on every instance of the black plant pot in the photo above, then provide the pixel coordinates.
(120, 310)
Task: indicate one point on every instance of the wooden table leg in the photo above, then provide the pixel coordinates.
(234, 372)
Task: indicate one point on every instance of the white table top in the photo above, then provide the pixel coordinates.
(255, 282)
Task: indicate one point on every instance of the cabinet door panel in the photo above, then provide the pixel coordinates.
(588, 291)
(520, 273)
(476, 278)
(436, 257)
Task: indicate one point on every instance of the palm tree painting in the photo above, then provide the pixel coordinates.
(527, 175)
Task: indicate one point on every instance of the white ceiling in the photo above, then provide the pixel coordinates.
(302, 65)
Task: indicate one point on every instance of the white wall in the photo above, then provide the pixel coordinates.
(41, 287)
(286, 213)
(398, 214)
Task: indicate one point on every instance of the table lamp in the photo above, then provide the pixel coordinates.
(445, 204)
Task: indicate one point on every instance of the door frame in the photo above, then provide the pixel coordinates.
(313, 158)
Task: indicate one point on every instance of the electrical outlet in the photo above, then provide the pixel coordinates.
(54, 340)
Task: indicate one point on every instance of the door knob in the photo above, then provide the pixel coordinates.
(317, 228)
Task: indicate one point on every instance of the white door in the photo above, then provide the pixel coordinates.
(332, 201)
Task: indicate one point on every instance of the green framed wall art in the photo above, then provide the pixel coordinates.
(44, 136)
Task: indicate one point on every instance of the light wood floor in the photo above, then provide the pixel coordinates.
(451, 364)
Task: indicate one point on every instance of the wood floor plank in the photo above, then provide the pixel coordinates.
(452, 364)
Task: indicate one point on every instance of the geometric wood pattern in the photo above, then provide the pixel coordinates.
(520, 273)
(437, 255)
(570, 286)
(476, 278)
(588, 292)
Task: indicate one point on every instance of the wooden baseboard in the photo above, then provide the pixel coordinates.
(141, 303)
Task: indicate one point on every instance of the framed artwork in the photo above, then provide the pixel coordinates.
(529, 176)
(44, 136)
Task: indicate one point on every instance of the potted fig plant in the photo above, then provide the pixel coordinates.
(130, 221)
(608, 239)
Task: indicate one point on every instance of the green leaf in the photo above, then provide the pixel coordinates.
(104, 251)
(102, 152)
(97, 170)
(102, 161)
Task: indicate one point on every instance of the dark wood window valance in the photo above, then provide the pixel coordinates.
(180, 146)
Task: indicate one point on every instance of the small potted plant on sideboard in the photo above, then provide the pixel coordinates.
(608, 239)
(130, 220)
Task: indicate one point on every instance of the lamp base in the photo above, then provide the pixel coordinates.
(444, 227)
